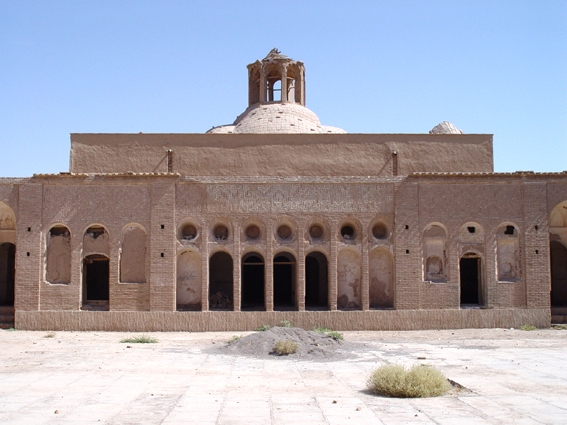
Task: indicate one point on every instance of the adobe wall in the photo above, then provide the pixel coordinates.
(281, 155)
(490, 204)
(423, 216)
(210, 321)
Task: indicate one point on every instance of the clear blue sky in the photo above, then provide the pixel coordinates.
(497, 67)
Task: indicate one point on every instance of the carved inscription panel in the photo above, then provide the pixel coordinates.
(289, 198)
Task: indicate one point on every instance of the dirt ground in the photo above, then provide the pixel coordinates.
(511, 376)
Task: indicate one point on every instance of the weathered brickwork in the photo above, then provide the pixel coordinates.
(224, 231)
(405, 207)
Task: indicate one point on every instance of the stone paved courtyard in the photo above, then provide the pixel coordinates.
(510, 376)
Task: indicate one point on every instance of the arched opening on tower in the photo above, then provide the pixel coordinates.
(96, 282)
(470, 267)
(7, 273)
(253, 283)
(316, 282)
(275, 90)
(558, 261)
(220, 281)
(284, 282)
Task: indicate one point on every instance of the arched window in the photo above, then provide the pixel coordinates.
(316, 281)
(435, 253)
(470, 274)
(7, 273)
(508, 256)
(133, 256)
(96, 261)
(284, 282)
(349, 279)
(59, 255)
(381, 282)
(189, 286)
(253, 282)
(558, 254)
(220, 281)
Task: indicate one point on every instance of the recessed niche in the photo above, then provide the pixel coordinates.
(189, 232)
(253, 232)
(316, 231)
(347, 232)
(285, 232)
(220, 232)
(380, 231)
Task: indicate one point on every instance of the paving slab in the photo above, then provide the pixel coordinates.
(509, 377)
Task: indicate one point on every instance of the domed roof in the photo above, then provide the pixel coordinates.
(445, 128)
(276, 100)
(271, 118)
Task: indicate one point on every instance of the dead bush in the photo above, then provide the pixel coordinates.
(285, 346)
(397, 381)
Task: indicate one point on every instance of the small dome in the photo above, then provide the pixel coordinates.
(445, 128)
(270, 118)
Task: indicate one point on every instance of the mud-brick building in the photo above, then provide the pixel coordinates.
(278, 217)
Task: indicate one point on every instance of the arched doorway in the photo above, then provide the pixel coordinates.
(558, 254)
(189, 285)
(316, 281)
(284, 282)
(96, 282)
(220, 282)
(470, 272)
(253, 283)
(381, 291)
(7, 273)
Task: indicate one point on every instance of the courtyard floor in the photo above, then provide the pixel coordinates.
(510, 377)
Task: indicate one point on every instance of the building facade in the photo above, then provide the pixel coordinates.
(278, 217)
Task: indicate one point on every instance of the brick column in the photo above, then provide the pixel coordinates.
(407, 256)
(269, 268)
(284, 97)
(489, 279)
(29, 258)
(162, 247)
(536, 270)
(300, 270)
(114, 271)
(333, 267)
(236, 269)
(365, 285)
(204, 266)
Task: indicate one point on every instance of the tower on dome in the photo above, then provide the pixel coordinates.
(276, 78)
(276, 100)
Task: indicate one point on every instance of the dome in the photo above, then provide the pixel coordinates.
(271, 118)
(445, 128)
(276, 101)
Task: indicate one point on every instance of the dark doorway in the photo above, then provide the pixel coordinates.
(284, 282)
(470, 280)
(316, 282)
(7, 273)
(253, 283)
(96, 282)
(221, 282)
(558, 254)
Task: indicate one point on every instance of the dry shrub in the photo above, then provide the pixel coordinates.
(285, 346)
(419, 381)
(528, 328)
(143, 339)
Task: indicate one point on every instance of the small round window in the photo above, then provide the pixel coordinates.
(220, 232)
(253, 232)
(189, 232)
(380, 231)
(316, 231)
(347, 232)
(285, 232)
